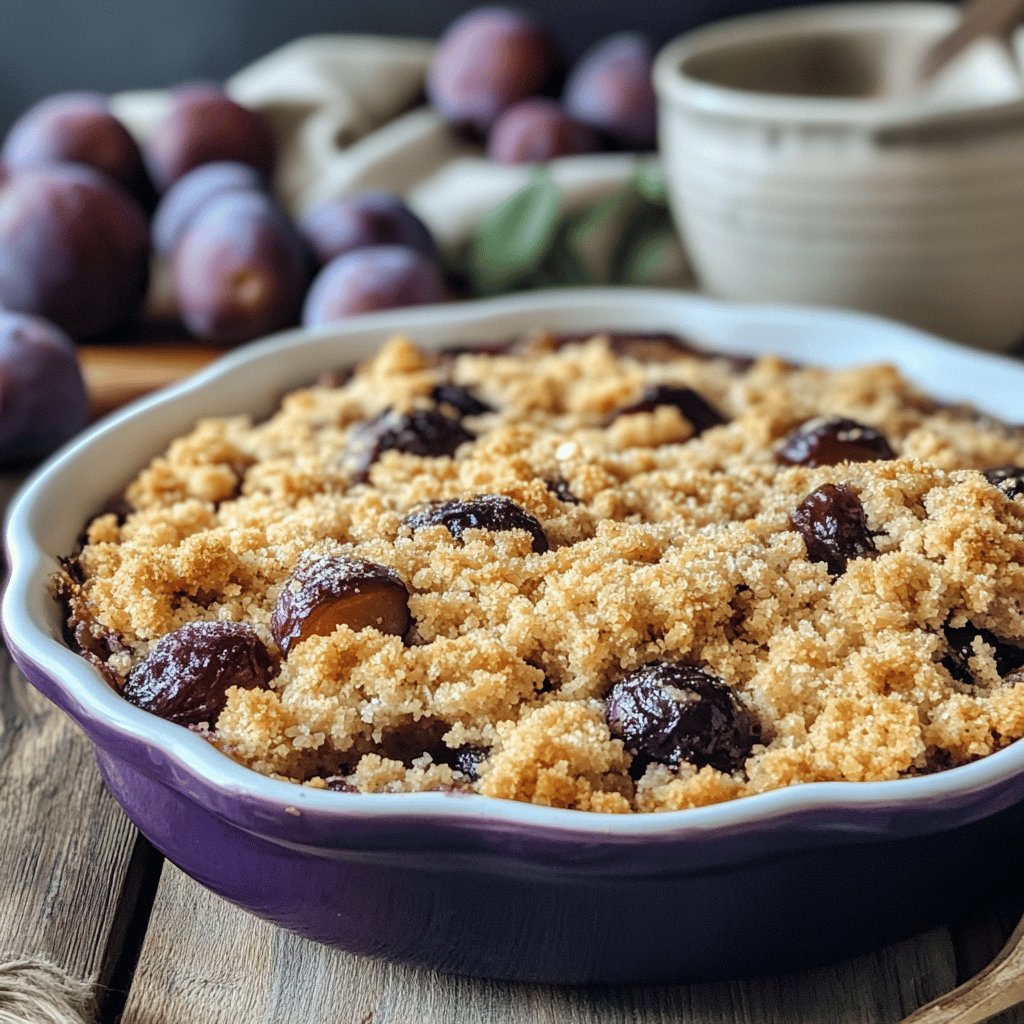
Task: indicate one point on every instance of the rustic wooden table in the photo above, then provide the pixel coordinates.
(81, 888)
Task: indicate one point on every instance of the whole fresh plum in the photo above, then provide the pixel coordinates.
(538, 129)
(193, 191)
(364, 280)
(76, 127)
(205, 125)
(42, 395)
(610, 89)
(239, 269)
(484, 62)
(74, 248)
(363, 219)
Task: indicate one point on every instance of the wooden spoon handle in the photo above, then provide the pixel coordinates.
(998, 987)
(978, 18)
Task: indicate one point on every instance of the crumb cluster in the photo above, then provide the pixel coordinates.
(665, 545)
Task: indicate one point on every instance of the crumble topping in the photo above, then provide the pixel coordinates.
(668, 542)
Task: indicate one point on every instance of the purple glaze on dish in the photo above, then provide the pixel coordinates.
(474, 885)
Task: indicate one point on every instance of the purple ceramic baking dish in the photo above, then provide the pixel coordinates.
(470, 884)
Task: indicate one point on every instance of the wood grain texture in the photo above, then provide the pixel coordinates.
(70, 866)
(65, 846)
(117, 374)
(206, 962)
(978, 19)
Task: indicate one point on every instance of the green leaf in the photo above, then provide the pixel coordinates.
(592, 233)
(563, 266)
(649, 180)
(512, 241)
(642, 251)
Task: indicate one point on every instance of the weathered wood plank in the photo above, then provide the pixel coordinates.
(113, 381)
(65, 846)
(68, 880)
(205, 962)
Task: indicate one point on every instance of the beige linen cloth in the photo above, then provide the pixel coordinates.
(348, 116)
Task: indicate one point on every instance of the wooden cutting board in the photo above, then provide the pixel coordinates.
(116, 374)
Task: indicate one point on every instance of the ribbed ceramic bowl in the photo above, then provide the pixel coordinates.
(875, 197)
(475, 885)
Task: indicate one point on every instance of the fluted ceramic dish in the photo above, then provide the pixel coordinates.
(471, 884)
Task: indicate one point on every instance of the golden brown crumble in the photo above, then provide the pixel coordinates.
(679, 548)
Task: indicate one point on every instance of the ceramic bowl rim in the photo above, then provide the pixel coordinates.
(95, 706)
(677, 88)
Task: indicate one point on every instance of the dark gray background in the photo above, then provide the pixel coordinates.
(52, 45)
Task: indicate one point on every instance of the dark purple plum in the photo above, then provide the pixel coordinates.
(610, 89)
(466, 759)
(538, 129)
(832, 523)
(429, 433)
(668, 713)
(559, 487)
(461, 399)
(239, 270)
(186, 676)
(494, 512)
(363, 219)
(484, 62)
(1009, 479)
(42, 395)
(327, 592)
(381, 277)
(1009, 657)
(830, 440)
(74, 248)
(203, 126)
(79, 128)
(701, 414)
(193, 191)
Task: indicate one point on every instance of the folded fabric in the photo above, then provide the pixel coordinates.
(348, 116)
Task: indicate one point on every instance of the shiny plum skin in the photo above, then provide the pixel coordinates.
(363, 219)
(610, 89)
(380, 277)
(485, 61)
(74, 249)
(78, 128)
(195, 190)
(239, 270)
(204, 125)
(538, 129)
(185, 678)
(42, 395)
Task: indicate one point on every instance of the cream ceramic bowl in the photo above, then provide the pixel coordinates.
(803, 167)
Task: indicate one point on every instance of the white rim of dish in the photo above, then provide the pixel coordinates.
(27, 604)
(675, 86)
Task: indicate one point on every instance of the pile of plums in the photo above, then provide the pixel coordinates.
(83, 206)
(241, 268)
(493, 77)
(75, 228)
